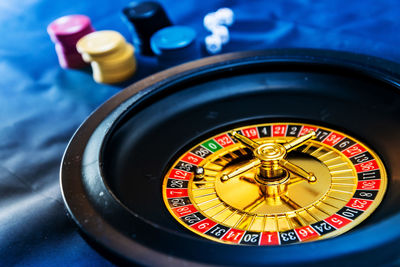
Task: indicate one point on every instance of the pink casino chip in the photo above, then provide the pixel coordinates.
(69, 29)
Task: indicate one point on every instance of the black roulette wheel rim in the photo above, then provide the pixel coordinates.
(104, 215)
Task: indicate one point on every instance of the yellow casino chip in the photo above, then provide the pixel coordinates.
(100, 44)
(115, 76)
(122, 60)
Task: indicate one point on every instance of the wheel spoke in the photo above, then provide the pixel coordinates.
(309, 176)
(244, 140)
(295, 143)
(290, 202)
(252, 164)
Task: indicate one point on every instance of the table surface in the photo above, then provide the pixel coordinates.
(41, 104)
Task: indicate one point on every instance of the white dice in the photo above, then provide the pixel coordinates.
(222, 32)
(210, 21)
(217, 23)
(213, 44)
(225, 16)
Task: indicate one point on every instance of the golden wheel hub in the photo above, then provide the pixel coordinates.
(270, 154)
(270, 151)
(246, 194)
(276, 183)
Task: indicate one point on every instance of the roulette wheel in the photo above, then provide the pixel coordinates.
(278, 157)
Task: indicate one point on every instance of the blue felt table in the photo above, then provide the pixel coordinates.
(41, 104)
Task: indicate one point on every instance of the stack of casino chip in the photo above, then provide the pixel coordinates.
(144, 19)
(174, 45)
(65, 32)
(111, 57)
